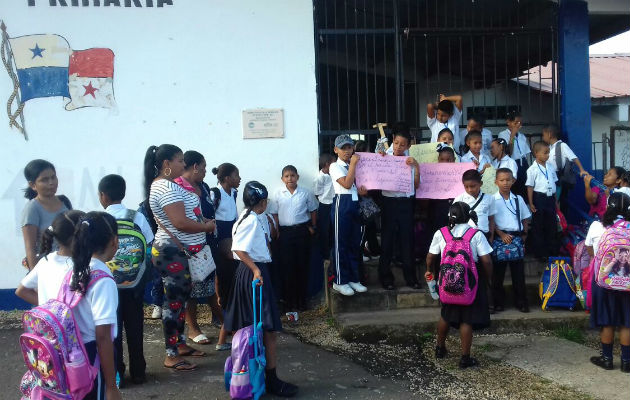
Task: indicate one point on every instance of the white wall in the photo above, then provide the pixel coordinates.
(183, 74)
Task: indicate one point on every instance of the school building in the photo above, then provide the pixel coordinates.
(194, 73)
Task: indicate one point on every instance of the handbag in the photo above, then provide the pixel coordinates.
(368, 210)
(200, 264)
(513, 251)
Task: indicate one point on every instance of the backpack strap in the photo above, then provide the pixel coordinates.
(558, 157)
(71, 297)
(66, 201)
(468, 235)
(446, 234)
(215, 197)
(478, 201)
(518, 213)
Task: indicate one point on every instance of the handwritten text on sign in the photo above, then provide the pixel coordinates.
(375, 171)
(442, 180)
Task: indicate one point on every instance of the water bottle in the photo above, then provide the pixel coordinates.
(432, 287)
(117, 380)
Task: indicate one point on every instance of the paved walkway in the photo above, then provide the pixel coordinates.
(319, 373)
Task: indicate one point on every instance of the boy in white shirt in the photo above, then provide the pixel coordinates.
(325, 192)
(518, 149)
(445, 114)
(559, 155)
(511, 225)
(111, 192)
(345, 214)
(479, 202)
(294, 210)
(541, 194)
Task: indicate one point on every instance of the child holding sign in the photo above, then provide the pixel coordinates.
(474, 154)
(345, 219)
(445, 114)
(397, 216)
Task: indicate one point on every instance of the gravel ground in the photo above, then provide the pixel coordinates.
(416, 366)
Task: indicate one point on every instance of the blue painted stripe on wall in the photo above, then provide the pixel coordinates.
(43, 82)
(9, 301)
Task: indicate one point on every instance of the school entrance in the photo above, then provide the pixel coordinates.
(384, 60)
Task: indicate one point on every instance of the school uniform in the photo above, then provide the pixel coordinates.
(609, 307)
(482, 159)
(483, 205)
(520, 150)
(486, 140)
(566, 155)
(325, 193)
(506, 162)
(250, 235)
(397, 229)
(508, 220)
(453, 124)
(543, 179)
(346, 252)
(97, 307)
(226, 213)
(475, 314)
(294, 242)
(130, 311)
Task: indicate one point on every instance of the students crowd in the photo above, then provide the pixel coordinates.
(184, 219)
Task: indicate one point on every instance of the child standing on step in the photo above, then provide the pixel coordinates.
(250, 246)
(611, 308)
(541, 194)
(476, 315)
(511, 225)
(345, 219)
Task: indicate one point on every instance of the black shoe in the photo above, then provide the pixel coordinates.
(440, 352)
(280, 388)
(467, 362)
(388, 286)
(625, 366)
(491, 310)
(415, 285)
(499, 308)
(604, 362)
(524, 309)
(139, 380)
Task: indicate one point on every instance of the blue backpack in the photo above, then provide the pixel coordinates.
(244, 371)
(557, 285)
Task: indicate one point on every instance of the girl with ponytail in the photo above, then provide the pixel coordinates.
(476, 315)
(250, 246)
(43, 206)
(86, 242)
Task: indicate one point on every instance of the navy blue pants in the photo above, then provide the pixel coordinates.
(323, 229)
(346, 250)
(98, 390)
(521, 177)
(544, 226)
(397, 228)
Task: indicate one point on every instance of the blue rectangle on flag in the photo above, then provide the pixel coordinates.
(43, 82)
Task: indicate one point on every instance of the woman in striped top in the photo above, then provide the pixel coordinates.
(178, 214)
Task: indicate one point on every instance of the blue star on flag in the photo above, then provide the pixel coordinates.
(37, 51)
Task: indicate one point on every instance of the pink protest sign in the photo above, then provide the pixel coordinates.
(375, 171)
(442, 180)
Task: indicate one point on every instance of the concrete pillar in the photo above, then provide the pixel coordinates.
(575, 101)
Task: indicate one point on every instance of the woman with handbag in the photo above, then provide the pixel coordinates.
(179, 249)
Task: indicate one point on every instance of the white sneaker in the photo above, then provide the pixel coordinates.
(357, 287)
(366, 258)
(157, 312)
(346, 290)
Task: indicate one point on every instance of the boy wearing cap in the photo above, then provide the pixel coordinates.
(345, 219)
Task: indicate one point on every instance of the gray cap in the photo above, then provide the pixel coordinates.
(342, 140)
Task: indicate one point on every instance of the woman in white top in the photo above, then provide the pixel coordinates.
(476, 315)
(91, 239)
(610, 308)
(250, 245)
(181, 229)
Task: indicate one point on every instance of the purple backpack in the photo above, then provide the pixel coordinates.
(244, 370)
(459, 278)
(58, 365)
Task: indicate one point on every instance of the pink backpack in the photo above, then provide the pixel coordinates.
(459, 278)
(58, 365)
(581, 258)
(612, 261)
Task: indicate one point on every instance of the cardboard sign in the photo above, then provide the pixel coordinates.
(442, 180)
(489, 176)
(375, 171)
(426, 153)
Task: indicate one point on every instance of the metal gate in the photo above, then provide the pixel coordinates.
(384, 60)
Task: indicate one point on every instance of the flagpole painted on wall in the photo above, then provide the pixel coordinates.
(7, 60)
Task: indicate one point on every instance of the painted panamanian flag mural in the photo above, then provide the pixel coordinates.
(46, 66)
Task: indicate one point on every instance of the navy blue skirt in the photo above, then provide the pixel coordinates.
(610, 307)
(238, 311)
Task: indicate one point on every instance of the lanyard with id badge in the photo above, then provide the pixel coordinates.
(545, 172)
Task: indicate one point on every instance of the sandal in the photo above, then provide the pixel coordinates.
(201, 339)
(182, 366)
(193, 353)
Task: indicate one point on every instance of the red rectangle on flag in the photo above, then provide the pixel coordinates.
(94, 63)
